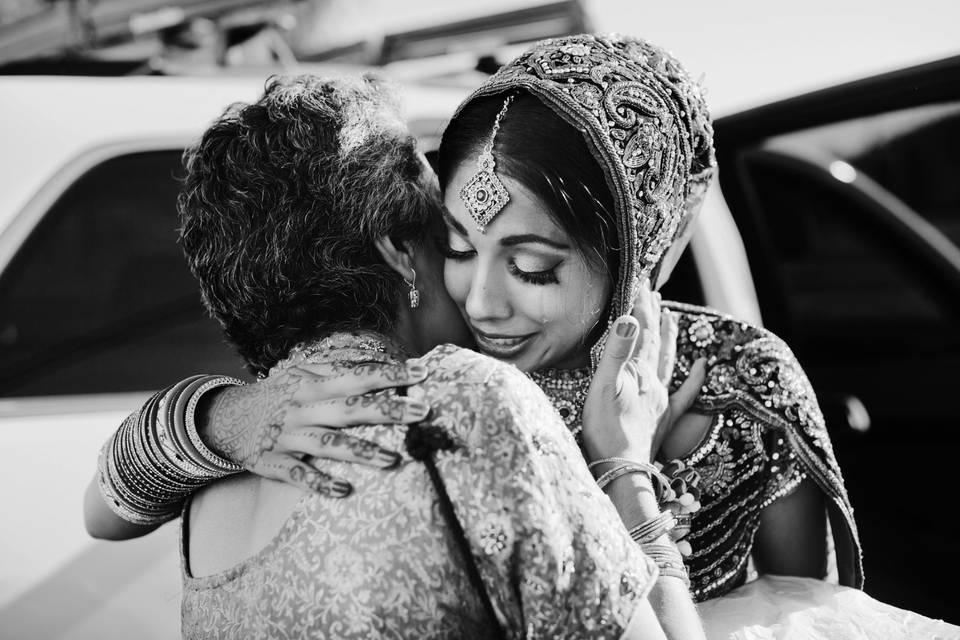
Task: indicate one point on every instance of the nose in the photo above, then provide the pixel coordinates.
(487, 299)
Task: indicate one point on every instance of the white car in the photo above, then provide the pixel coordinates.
(98, 309)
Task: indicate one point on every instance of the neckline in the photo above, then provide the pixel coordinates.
(567, 391)
(359, 345)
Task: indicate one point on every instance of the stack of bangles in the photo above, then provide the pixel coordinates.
(156, 459)
(674, 518)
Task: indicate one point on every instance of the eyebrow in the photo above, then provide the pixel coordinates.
(512, 241)
(509, 241)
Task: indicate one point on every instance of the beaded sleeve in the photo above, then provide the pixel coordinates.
(755, 379)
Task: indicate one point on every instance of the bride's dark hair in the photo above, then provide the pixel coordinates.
(282, 202)
(550, 158)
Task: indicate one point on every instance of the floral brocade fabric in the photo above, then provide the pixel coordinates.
(767, 435)
(550, 548)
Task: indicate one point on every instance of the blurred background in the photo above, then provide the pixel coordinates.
(835, 223)
(747, 50)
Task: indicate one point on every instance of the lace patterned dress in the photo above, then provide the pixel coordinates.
(767, 434)
(550, 548)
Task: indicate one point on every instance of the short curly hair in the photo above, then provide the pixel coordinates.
(280, 206)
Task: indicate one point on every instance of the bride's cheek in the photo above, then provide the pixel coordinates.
(556, 303)
(456, 279)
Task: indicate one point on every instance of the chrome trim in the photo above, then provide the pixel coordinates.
(71, 404)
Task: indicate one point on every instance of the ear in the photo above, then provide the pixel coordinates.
(399, 258)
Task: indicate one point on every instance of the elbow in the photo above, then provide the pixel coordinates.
(100, 521)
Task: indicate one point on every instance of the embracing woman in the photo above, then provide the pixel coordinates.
(302, 214)
(571, 179)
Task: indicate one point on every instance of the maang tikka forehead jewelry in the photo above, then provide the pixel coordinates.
(484, 194)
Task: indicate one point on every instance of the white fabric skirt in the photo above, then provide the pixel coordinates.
(788, 608)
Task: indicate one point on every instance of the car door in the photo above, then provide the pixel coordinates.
(97, 309)
(849, 206)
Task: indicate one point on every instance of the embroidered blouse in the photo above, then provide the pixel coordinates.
(767, 434)
(552, 552)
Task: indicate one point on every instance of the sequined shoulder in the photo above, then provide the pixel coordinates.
(752, 370)
(748, 366)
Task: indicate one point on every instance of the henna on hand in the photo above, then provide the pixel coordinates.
(246, 422)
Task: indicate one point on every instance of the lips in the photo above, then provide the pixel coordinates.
(500, 345)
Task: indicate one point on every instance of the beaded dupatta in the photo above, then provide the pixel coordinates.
(647, 125)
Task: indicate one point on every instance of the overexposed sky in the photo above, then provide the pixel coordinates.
(754, 51)
(749, 51)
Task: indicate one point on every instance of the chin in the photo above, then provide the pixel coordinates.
(528, 362)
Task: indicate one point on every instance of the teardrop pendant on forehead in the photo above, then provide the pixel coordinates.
(484, 195)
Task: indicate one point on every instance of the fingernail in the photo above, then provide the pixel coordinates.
(626, 329)
(388, 459)
(340, 489)
(418, 408)
(417, 370)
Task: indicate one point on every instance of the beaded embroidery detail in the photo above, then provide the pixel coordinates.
(567, 390)
(767, 435)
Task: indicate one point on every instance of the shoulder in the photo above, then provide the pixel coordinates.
(528, 504)
(747, 365)
(460, 370)
(463, 366)
(493, 408)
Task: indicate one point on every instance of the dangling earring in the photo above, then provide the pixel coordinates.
(414, 294)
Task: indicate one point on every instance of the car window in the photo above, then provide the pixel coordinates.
(918, 162)
(850, 228)
(851, 296)
(99, 298)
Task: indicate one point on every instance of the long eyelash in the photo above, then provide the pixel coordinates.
(548, 276)
(450, 254)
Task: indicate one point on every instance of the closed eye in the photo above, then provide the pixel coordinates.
(544, 277)
(450, 253)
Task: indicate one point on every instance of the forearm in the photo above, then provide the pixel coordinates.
(792, 538)
(102, 523)
(150, 465)
(203, 417)
(635, 501)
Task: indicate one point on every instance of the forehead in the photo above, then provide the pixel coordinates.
(524, 213)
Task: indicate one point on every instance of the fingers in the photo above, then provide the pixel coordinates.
(617, 350)
(286, 468)
(371, 408)
(646, 310)
(321, 442)
(683, 398)
(334, 380)
(668, 346)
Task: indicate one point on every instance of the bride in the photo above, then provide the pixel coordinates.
(571, 179)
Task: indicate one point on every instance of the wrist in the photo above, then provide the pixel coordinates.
(614, 450)
(185, 419)
(204, 417)
(155, 459)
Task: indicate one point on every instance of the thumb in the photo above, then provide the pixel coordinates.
(618, 349)
(682, 399)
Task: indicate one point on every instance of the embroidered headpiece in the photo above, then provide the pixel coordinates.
(484, 194)
(645, 122)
